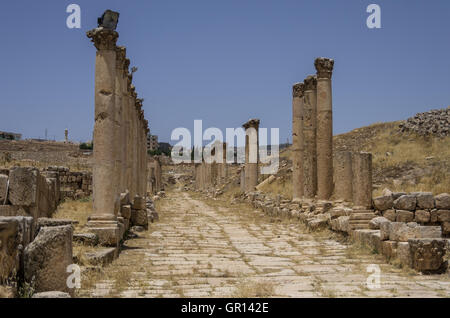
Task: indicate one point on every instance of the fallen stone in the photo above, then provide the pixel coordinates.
(47, 257)
(405, 202)
(9, 249)
(443, 215)
(102, 256)
(49, 222)
(23, 186)
(89, 239)
(51, 294)
(427, 255)
(442, 201)
(404, 254)
(389, 249)
(397, 195)
(125, 211)
(385, 228)
(383, 203)
(402, 232)
(139, 217)
(138, 203)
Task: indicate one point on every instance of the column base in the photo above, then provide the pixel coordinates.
(108, 232)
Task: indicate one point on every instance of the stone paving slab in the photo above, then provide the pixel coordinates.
(200, 248)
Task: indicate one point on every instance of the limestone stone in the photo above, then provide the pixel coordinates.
(108, 233)
(391, 215)
(404, 254)
(102, 256)
(51, 294)
(3, 188)
(422, 216)
(385, 228)
(125, 211)
(402, 232)
(343, 176)
(443, 215)
(297, 140)
(89, 239)
(362, 179)
(375, 223)
(446, 228)
(425, 200)
(434, 216)
(47, 257)
(138, 203)
(404, 216)
(383, 203)
(251, 154)
(48, 222)
(23, 186)
(389, 249)
(310, 137)
(427, 254)
(26, 228)
(405, 202)
(9, 249)
(139, 217)
(442, 201)
(13, 210)
(324, 67)
(428, 232)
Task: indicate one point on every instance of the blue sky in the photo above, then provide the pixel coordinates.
(224, 61)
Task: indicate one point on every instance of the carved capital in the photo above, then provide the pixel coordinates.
(324, 67)
(310, 83)
(298, 89)
(103, 39)
(252, 123)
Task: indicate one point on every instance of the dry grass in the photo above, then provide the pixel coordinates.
(254, 290)
(78, 210)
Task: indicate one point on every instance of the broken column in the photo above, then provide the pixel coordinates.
(324, 67)
(362, 180)
(103, 220)
(343, 176)
(309, 133)
(251, 154)
(297, 141)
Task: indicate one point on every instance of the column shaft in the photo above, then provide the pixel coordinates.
(297, 141)
(309, 133)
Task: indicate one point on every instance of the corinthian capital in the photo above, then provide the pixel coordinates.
(324, 67)
(298, 89)
(103, 39)
(310, 83)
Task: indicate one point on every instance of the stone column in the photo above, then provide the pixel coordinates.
(362, 180)
(132, 153)
(145, 153)
(128, 147)
(251, 154)
(297, 141)
(242, 185)
(309, 133)
(119, 115)
(103, 220)
(324, 69)
(343, 176)
(223, 167)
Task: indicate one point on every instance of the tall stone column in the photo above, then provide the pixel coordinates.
(297, 141)
(362, 180)
(129, 99)
(103, 220)
(251, 154)
(133, 190)
(223, 167)
(343, 176)
(324, 67)
(145, 152)
(119, 116)
(309, 133)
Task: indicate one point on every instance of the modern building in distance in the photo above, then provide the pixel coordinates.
(152, 142)
(4, 135)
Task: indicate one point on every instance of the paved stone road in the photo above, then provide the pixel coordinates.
(201, 249)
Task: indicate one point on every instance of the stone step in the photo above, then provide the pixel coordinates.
(362, 211)
(362, 216)
(359, 226)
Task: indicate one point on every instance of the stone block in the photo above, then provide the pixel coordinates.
(374, 224)
(47, 257)
(402, 232)
(3, 188)
(24, 186)
(442, 201)
(139, 217)
(445, 228)
(428, 232)
(125, 198)
(125, 211)
(89, 239)
(422, 216)
(427, 255)
(404, 254)
(389, 249)
(102, 256)
(9, 249)
(13, 210)
(405, 216)
(443, 215)
(405, 202)
(434, 216)
(108, 234)
(425, 200)
(391, 215)
(48, 222)
(385, 229)
(138, 203)
(383, 203)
